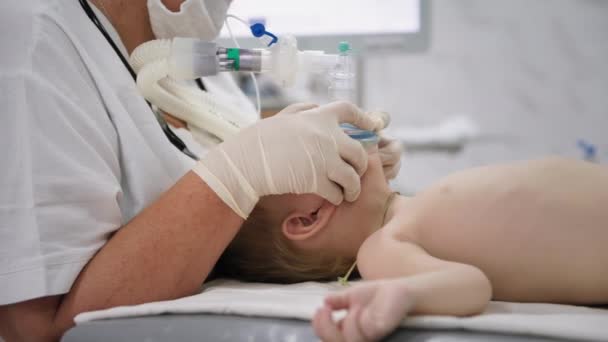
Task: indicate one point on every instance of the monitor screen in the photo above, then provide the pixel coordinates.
(334, 17)
(321, 24)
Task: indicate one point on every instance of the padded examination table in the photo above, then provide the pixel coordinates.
(203, 327)
(228, 310)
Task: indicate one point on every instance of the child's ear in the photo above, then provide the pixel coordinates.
(300, 225)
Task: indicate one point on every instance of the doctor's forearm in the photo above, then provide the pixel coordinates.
(165, 252)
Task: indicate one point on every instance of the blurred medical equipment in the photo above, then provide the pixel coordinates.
(451, 133)
(588, 149)
(342, 84)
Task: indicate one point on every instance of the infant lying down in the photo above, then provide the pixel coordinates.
(532, 231)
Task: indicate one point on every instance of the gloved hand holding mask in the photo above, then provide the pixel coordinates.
(306, 152)
(389, 149)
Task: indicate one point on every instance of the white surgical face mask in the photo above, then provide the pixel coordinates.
(196, 19)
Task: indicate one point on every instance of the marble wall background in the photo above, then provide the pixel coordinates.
(532, 74)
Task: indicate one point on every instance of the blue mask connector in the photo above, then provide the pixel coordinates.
(259, 30)
(366, 138)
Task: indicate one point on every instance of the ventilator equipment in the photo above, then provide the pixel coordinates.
(165, 66)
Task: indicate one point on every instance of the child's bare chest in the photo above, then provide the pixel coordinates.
(531, 246)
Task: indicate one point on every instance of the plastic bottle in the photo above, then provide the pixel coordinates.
(342, 85)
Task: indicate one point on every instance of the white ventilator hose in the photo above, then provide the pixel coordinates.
(156, 61)
(151, 63)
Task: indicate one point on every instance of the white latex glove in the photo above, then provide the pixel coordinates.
(390, 151)
(374, 310)
(306, 152)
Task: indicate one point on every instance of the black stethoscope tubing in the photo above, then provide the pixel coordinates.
(173, 138)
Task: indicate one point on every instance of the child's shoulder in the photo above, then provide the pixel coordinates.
(372, 243)
(369, 256)
(382, 253)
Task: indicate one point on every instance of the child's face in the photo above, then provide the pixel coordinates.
(311, 222)
(353, 222)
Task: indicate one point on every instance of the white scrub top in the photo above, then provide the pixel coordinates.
(80, 151)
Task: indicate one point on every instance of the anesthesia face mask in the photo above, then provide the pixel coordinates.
(368, 139)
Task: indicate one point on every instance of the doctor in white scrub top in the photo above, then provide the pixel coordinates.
(97, 207)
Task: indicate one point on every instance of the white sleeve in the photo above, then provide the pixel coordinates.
(59, 186)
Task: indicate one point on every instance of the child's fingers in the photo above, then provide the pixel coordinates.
(337, 301)
(350, 326)
(316, 322)
(324, 326)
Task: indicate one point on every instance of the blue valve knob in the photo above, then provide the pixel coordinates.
(259, 30)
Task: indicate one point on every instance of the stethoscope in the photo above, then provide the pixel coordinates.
(173, 138)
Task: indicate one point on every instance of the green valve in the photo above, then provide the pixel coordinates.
(344, 47)
(235, 55)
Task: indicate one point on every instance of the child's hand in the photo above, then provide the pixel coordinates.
(374, 308)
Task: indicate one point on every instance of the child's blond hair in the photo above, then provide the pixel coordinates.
(260, 253)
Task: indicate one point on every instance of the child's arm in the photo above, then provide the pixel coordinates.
(404, 278)
(436, 286)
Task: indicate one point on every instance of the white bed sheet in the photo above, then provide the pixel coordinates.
(299, 301)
